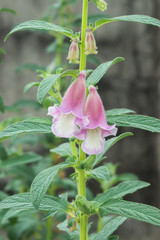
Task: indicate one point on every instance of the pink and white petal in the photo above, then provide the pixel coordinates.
(109, 132)
(81, 122)
(81, 134)
(64, 125)
(94, 142)
(54, 111)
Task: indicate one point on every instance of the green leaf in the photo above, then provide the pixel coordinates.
(129, 18)
(46, 85)
(40, 25)
(30, 125)
(1, 105)
(29, 85)
(42, 181)
(137, 121)
(109, 228)
(20, 202)
(126, 177)
(138, 211)
(20, 160)
(100, 173)
(8, 10)
(121, 190)
(99, 72)
(63, 150)
(31, 66)
(113, 238)
(109, 143)
(118, 111)
(24, 103)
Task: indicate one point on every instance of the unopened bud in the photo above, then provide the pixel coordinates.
(101, 4)
(73, 54)
(82, 204)
(88, 162)
(90, 43)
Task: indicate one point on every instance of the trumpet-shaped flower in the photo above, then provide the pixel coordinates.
(90, 43)
(97, 129)
(70, 113)
(73, 53)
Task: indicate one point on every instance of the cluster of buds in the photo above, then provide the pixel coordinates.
(82, 118)
(90, 47)
(101, 4)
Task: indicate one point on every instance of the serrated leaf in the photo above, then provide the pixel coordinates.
(46, 85)
(30, 125)
(20, 160)
(118, 111)
(109, 228)
(138, 211)
(99, 72)
(8, 10)
(21, 202)
(137, 121)
(100, 173)
(40, 25)
(29, 85)
(42, 181)
(121, 190)
(129, 18)
(63, 150)
(109, 143)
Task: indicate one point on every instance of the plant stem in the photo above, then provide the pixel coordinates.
(81, 173)
(84, 26)
(82, 192)
(49, 228)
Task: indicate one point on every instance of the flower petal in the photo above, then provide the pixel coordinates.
(64, 125)
(94, 142)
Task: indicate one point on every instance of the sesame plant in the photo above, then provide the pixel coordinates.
(80, 126)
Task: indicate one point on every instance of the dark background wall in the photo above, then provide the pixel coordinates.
(133, 84)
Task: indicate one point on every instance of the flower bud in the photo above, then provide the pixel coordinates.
(73, 54)
(88, 162)
(90, 43)
(82, 204)
(101, 4)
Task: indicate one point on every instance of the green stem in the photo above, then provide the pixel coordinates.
(82, 192)
(81, 173)
(84, 26)
(49, 228)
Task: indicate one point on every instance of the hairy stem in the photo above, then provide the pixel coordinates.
(83, 27)
(82, 192)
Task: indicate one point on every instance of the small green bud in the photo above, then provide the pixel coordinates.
(82, 204)
(88, 162)
(101, 4)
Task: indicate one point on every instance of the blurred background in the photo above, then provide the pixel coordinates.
(133, 84)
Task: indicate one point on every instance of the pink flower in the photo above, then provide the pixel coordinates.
(97, 129)
(90, 43)
(70, 113)
(73, 54)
